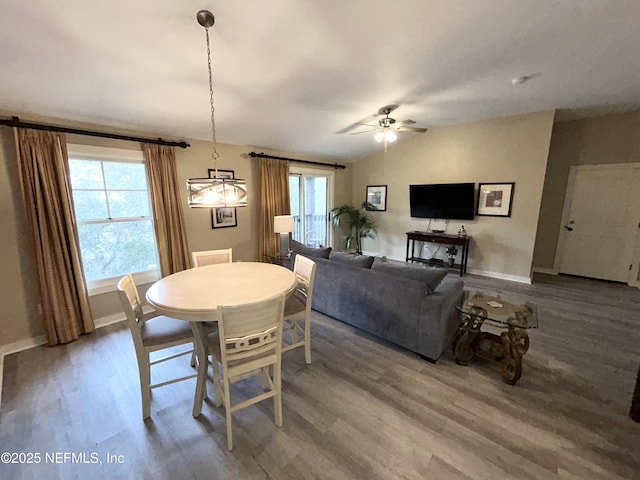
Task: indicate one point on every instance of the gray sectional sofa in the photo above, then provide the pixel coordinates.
(409, 305)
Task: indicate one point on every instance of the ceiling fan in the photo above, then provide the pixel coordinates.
(387, 127)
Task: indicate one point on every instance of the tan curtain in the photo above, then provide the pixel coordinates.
(44, 173)
(167, 208)
(274, 200)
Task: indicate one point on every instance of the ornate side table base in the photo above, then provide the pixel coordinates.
(507, 348)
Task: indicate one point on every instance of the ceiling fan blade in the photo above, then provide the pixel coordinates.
(411, 129)
(363, 121)
(405, 122)
(363, 131)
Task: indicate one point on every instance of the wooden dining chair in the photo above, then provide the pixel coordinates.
(210, 257)
(151, 333)
(248, 343)
(297, 310)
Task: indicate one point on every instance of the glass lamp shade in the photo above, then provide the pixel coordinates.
(217, 192)
(387, 135)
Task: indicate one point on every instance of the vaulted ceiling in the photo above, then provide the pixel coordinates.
(299, 75)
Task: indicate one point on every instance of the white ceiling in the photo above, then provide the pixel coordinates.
(297, 75)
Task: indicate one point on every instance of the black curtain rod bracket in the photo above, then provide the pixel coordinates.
(309, 162)
(15, 122)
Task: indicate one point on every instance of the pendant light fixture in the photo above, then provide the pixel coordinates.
(214, 192)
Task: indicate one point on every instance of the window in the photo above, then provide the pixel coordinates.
(310, 196)
(115, 228)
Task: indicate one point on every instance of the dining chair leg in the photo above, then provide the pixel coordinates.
(227, 409)
(145, 387)
(277, 399)
(307, 341)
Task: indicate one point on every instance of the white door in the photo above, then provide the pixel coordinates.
(310, 196)
(601, 221)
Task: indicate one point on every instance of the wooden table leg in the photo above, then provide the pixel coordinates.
(199, 338)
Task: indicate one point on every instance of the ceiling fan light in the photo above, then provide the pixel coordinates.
(391, 136)
(379, 136)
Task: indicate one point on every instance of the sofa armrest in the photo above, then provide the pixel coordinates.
(439, 318)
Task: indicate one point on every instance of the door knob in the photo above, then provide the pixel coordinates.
(568, 228)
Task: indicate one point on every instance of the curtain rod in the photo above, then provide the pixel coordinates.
(15, 122)
(264, 155)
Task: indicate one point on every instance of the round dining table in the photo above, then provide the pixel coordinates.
(194, 295)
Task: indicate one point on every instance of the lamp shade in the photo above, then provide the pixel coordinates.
(283, 224)
(217, 192)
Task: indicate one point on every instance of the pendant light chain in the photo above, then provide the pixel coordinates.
(215, 154)
(214, 192)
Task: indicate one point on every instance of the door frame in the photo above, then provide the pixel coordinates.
(319, 172)
(634, 273)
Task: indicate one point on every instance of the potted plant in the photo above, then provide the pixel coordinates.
(359, 223)
(451, 252)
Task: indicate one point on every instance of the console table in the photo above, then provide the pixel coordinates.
(443, 238)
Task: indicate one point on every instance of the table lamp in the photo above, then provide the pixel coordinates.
(283, 224)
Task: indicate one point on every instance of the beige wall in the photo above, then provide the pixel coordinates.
(18, 282)
(512, 149)
(19, 294)
(601, 140)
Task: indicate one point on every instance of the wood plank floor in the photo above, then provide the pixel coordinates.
(364, 409)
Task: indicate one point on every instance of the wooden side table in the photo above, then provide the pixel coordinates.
(509, 347)
(443, 238)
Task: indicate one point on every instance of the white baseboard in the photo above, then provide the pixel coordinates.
(110, 319)
(548, 271)
(487, 273)
(21, 345)
(502, 276)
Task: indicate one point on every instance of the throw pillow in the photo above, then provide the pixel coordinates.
(430, 276)
(297, 247)
(363, 261)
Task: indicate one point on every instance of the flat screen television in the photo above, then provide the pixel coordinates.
(451, 201)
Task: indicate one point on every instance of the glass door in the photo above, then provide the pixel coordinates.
(310, 194)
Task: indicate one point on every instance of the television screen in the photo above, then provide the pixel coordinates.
(451, 201)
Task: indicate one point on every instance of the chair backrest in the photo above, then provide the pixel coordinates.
(132, 307)
(305, 271)
(210, 257)
(251, 331)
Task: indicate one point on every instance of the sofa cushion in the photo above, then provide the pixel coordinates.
(322, 252)
(362, 261)
(430, 276)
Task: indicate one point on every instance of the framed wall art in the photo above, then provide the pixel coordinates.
(223, 217)
(377, 196)
(494, 199)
